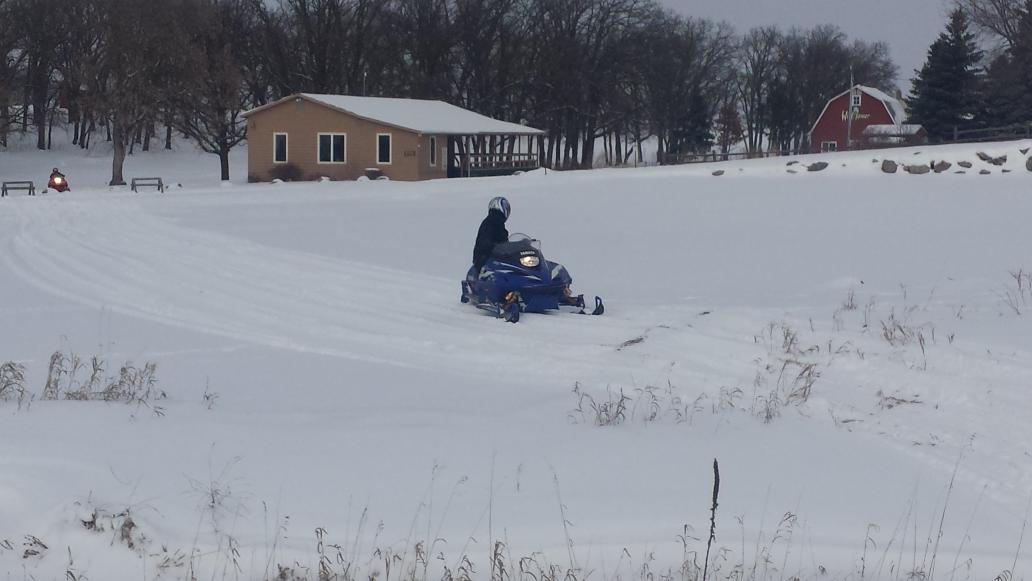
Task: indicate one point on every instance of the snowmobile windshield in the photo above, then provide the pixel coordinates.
(520, 237)
(520, 249)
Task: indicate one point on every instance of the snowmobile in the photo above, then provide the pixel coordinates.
(517, 279)
(58, 182)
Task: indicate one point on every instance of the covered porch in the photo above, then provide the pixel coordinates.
(493, 154)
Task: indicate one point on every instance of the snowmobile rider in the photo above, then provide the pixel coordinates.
(492, 231)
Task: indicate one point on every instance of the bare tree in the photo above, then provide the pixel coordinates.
(758, 69)
(998, 18)
(10, 63)
(212, 98)
(423, 30)
(141, 58)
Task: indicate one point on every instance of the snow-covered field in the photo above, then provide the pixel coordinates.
(851, 346)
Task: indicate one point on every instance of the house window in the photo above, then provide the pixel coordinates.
(829, 146)
(433, 151)
(383, 148)
(856, 99)
(279, 148)
(332, 148)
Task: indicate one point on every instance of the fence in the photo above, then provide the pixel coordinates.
(1016, 131)
(711, 156)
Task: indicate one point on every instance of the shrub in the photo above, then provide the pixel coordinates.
(287, 172)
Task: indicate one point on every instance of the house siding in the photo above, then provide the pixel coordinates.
(410, 159)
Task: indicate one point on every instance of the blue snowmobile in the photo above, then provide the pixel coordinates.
(517, 279)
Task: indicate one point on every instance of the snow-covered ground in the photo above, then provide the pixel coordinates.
(846, 343)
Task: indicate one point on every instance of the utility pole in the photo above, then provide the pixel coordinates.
(849, 112)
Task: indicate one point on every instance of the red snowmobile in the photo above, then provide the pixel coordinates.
(58, 181)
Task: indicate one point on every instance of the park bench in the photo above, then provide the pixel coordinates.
(148, 183)
(25, 186)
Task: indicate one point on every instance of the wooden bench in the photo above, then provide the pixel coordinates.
(24, 186)
(148, 183)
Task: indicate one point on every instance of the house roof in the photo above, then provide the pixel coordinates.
(420, 116)
(905, 129)
(893, 105)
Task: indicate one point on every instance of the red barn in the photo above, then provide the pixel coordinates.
(870, 106)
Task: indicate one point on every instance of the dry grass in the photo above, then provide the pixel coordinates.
(1017, 294)
(12, 383)
(71, 377)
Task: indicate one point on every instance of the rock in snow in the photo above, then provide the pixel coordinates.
(889, 166)
(917, 169)
(942, 166)
(965, 164)
(718, 173)
(990, 159)
(819, 166)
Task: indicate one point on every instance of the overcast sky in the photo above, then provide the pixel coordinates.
(908, 26)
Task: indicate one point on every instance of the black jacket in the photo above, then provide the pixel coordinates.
(492, 231)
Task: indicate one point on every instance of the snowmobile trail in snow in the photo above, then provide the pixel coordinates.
(112, 253)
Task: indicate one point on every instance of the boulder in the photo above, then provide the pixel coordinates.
(1028, 164)
(990, 159)
(941, 166)
(1005, 170)
(984, 172)
(917, 169)
(793, 162)
(819, 166)
(965, 164)
(718, 173)
(792, 171)
(960, 171)
(889, 166)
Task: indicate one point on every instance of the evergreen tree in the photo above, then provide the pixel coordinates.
(946, 91)
(1005, 93)
(1020, 71)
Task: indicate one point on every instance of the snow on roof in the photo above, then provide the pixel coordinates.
(905, 129)
(417, 115)
(896, 108)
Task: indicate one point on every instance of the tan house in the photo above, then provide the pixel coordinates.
(308, 137)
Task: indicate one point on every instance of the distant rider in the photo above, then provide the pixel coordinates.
(492, 231)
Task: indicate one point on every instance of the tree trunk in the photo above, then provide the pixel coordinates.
(168, 136)
(224, 161)
(5, 123)
(50, 130)
(39, 116)
(118, 160)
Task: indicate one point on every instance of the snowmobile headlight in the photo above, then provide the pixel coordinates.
(530, 261)
(58, 180)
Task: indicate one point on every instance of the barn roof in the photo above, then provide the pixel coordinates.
(896, 108)
(420, 116)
